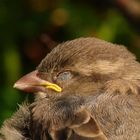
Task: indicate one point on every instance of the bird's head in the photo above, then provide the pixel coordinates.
(81, 66)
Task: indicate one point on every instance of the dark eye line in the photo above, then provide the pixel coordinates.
(63, 75)
(66, 70)
(73, 73)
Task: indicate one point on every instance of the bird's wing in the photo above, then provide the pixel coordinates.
(86, 126)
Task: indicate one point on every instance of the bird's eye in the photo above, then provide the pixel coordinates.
(64, 76)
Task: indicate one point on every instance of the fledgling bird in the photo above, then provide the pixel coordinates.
(86, 89)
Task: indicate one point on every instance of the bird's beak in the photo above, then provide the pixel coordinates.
(32, 83)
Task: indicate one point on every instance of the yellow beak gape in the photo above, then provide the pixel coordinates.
(51, 86)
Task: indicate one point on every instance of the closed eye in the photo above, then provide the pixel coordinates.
(64, 76)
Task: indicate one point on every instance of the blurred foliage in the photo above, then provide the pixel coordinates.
(29, 29)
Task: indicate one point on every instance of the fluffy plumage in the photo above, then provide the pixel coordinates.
(100, 99)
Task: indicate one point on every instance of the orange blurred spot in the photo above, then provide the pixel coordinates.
(59, 17)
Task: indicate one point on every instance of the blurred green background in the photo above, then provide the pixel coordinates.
(29, 29)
